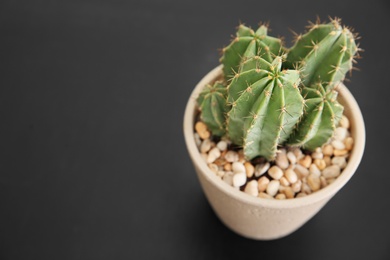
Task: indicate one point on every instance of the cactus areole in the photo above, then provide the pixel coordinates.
(272, 95)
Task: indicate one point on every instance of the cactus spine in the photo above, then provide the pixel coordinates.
(212, 103)
(266, 104)
(249, 43)
(325, 53)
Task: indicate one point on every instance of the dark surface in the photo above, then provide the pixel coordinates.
(93, 163)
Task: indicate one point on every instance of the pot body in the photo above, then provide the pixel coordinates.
(259, 218)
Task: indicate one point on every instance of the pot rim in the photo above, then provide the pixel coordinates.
(357, 130)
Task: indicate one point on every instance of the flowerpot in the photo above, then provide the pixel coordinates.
(259, 218)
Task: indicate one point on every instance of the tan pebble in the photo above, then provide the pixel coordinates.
(264, 195)
(213, 167)
(252, 188)
(249, 168)
(348, 143)
(222, 146)
(260, 169)
(301, 171)
(332, 171)
(296, 187)
(338, 145)
(327, 150)
(340, 133)
(289, 193)
(205, 146)
(220, 161)
(331, 180)
(306, 161)
(275, 172)
(306, 188)
(281, 159)
(213, 155)
(220, 173)
(298, 153)
(340, 161)
(273, 187)
(227, 167)
(263, 183)
(317, 155)
(280, 196)
(321, 164)
(340, 152)
(284, 181)
(291, 176)
(324, 183)
(313, 169)
(328, 160)
(238, 167)
(202, 131)
(291, 157)
(301, 194)
(344, 122)
(314, 182)
(231, 156)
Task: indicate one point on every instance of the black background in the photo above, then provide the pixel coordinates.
(93, 163)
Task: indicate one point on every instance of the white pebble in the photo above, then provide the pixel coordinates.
(231, 156)
(281, 159)
(296, 187)
(239, 179)
(313, 169)
(238, 167)
(338, 145)
(301, 171)
(317, 155)
(273, 187)
(260, 169)
(339, 161)
(205, 146)
(220, 173)
(228, 178)
(340, 133)
(275, 172)
(213, 167)
(291, 157)
(222, 145)
(298, 153)
(252, 188)
(306, 188)
(332, 171)
(291, 176)
(213, 155)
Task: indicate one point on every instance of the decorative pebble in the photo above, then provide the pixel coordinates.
(275, 172)
(231, 156)
(264, 195)
(317, 155)
(213, 167)
(284, 182)
(344, 122)
(313, 169)
(298, 153)
(306, 161)
(339, 161)
(291, 176)
(338, 145)
(340, 133)
(327, 160)
(289, 193)
(280, 196)
(291, 157)
(227, 167)
(260, 169)
(301, 170)
(297, 186)
(327, 150)
(202, 131)
(198, 141)
(281, 159)
(306, 188)
(222, 145)
(239, 179)
(238, 167)
(320, 163)
(249, 169)
(324, 183)
(301, 194)
(213, 155)
(263, 183)
(348, 143)
(273, 187)
(340, 152)
(228, 178)
(314, 182)
(205, 146)
(252, 188)
(332, 171)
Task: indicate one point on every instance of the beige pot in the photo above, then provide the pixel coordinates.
(259, 218)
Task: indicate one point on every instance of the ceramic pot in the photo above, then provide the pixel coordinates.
(259, 218)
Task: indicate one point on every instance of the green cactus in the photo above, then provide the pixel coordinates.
(325, 53)
(266, 104)
(212, 102)
(249, 43)
(322, 113)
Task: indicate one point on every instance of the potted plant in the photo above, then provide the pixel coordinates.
(272, 132)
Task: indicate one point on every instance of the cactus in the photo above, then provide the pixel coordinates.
(249, 43)
(212, 102)
(266, 104)
(322, 113)
(325, 53)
